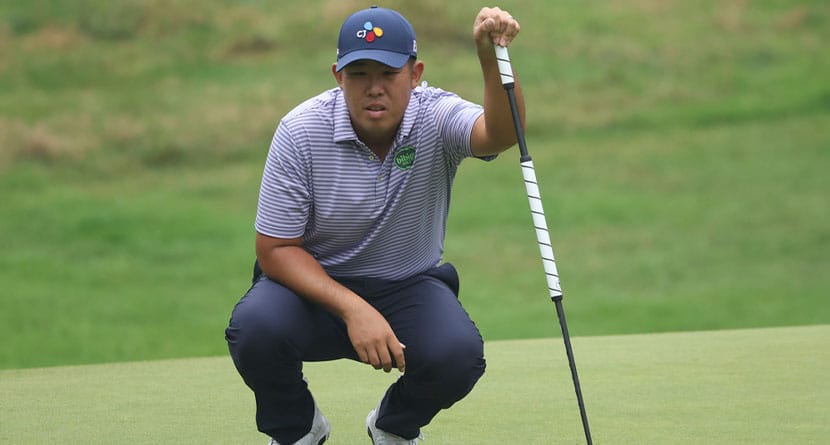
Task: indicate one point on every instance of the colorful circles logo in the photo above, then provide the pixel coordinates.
(370, 32)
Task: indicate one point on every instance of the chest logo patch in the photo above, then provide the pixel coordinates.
(405, 157)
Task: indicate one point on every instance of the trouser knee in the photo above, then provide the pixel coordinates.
(251, 335)
(464, 373)
(259, 333)
(449, 373)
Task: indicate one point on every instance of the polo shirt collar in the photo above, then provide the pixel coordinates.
(343, 130)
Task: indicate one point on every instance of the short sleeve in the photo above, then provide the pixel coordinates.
(284, 195)
(455, 118)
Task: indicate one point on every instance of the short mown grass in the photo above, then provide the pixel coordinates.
(749, 387)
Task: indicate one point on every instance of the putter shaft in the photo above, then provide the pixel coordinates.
(540, 223)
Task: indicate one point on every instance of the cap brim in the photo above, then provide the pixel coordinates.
(389, 58)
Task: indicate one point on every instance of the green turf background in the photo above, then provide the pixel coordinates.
(682, 150)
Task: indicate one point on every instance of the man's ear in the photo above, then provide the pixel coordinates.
(417, 72)
(338, 75)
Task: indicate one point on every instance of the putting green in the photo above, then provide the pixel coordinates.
(758, 386)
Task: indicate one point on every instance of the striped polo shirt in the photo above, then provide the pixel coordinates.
(360, 216)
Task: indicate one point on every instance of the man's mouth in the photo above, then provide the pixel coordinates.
(375, 110)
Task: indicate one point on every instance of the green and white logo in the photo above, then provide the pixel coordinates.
(405, 157)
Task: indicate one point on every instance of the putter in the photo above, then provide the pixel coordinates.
(542, 235)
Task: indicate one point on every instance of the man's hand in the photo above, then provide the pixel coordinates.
(373, 339)
(493, 132)
(287, 262)
(494, 27)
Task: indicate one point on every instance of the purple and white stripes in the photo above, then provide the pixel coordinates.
(359, 215)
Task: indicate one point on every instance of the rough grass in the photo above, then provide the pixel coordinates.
(681, 149)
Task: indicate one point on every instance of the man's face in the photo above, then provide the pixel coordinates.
(377, 96)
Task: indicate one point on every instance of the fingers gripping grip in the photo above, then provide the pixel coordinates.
(505, 70)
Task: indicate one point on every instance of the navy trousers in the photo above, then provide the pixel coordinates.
(272, 331)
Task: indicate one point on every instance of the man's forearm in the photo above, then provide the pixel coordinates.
(288, 263)
(497, 113)
(494, 132)
(295, 268)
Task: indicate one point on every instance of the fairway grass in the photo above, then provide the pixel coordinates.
(757, 386)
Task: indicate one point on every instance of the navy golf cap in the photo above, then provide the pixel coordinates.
(378, 34)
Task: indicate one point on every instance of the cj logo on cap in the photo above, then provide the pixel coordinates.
(369, 32)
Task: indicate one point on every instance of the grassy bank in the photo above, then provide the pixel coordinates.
(681, 150)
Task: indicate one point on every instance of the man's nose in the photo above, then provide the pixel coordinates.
(375, 85)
